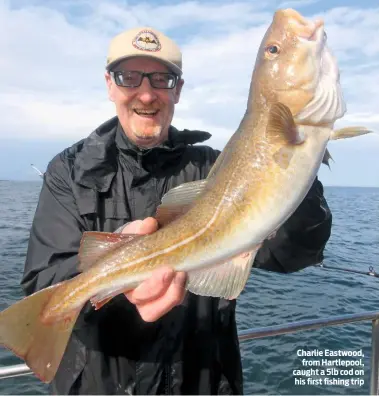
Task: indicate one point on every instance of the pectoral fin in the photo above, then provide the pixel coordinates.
(349, 132)
(282, 125)
(226, 280)
(281, 129)
(178, 200)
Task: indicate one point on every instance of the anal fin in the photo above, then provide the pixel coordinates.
(101, 303)
(99, 300)
(226, 280)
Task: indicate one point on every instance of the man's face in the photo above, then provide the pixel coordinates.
(145, 113)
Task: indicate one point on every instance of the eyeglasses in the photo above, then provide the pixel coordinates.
(133, 79)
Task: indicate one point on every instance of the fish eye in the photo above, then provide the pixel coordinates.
(272, 49)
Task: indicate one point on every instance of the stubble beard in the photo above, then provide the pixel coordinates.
(148, 131)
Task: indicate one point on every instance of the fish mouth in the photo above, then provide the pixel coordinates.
(305, 29)
(316, 35)
(327, 103)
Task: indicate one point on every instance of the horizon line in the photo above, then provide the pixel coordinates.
(324, 185)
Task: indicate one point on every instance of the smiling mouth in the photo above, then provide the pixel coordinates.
(146, 113)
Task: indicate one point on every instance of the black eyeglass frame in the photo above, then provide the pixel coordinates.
(116, 73)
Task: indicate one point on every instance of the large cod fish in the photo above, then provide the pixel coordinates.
(213, 228)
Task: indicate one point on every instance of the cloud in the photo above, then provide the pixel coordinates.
(51, 71)
(188, 15)
(296, 4)
(53, 117)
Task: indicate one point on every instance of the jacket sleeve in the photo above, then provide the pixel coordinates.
(301, 240)
(55, 235)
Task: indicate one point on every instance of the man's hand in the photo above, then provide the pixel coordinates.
(164, 290)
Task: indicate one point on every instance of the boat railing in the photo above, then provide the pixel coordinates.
(292, 327)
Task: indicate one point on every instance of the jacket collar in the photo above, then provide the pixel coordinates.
(96, 163)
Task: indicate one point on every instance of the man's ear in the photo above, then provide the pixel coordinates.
(178, 90)
(110, 85)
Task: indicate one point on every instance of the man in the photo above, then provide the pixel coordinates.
(155, 339)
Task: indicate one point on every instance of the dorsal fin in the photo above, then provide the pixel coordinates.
(178, 200)
(95, 245)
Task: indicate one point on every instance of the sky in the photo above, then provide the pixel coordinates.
(53, 57)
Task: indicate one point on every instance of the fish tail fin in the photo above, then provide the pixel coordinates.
(40, 344)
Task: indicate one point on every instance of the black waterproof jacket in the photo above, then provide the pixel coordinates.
(104, 181)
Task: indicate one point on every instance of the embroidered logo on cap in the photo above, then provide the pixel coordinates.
(146, 40)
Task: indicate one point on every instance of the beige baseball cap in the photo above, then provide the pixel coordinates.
(145, 41)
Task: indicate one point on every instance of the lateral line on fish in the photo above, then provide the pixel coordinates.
(198, 234)
(191, 238)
